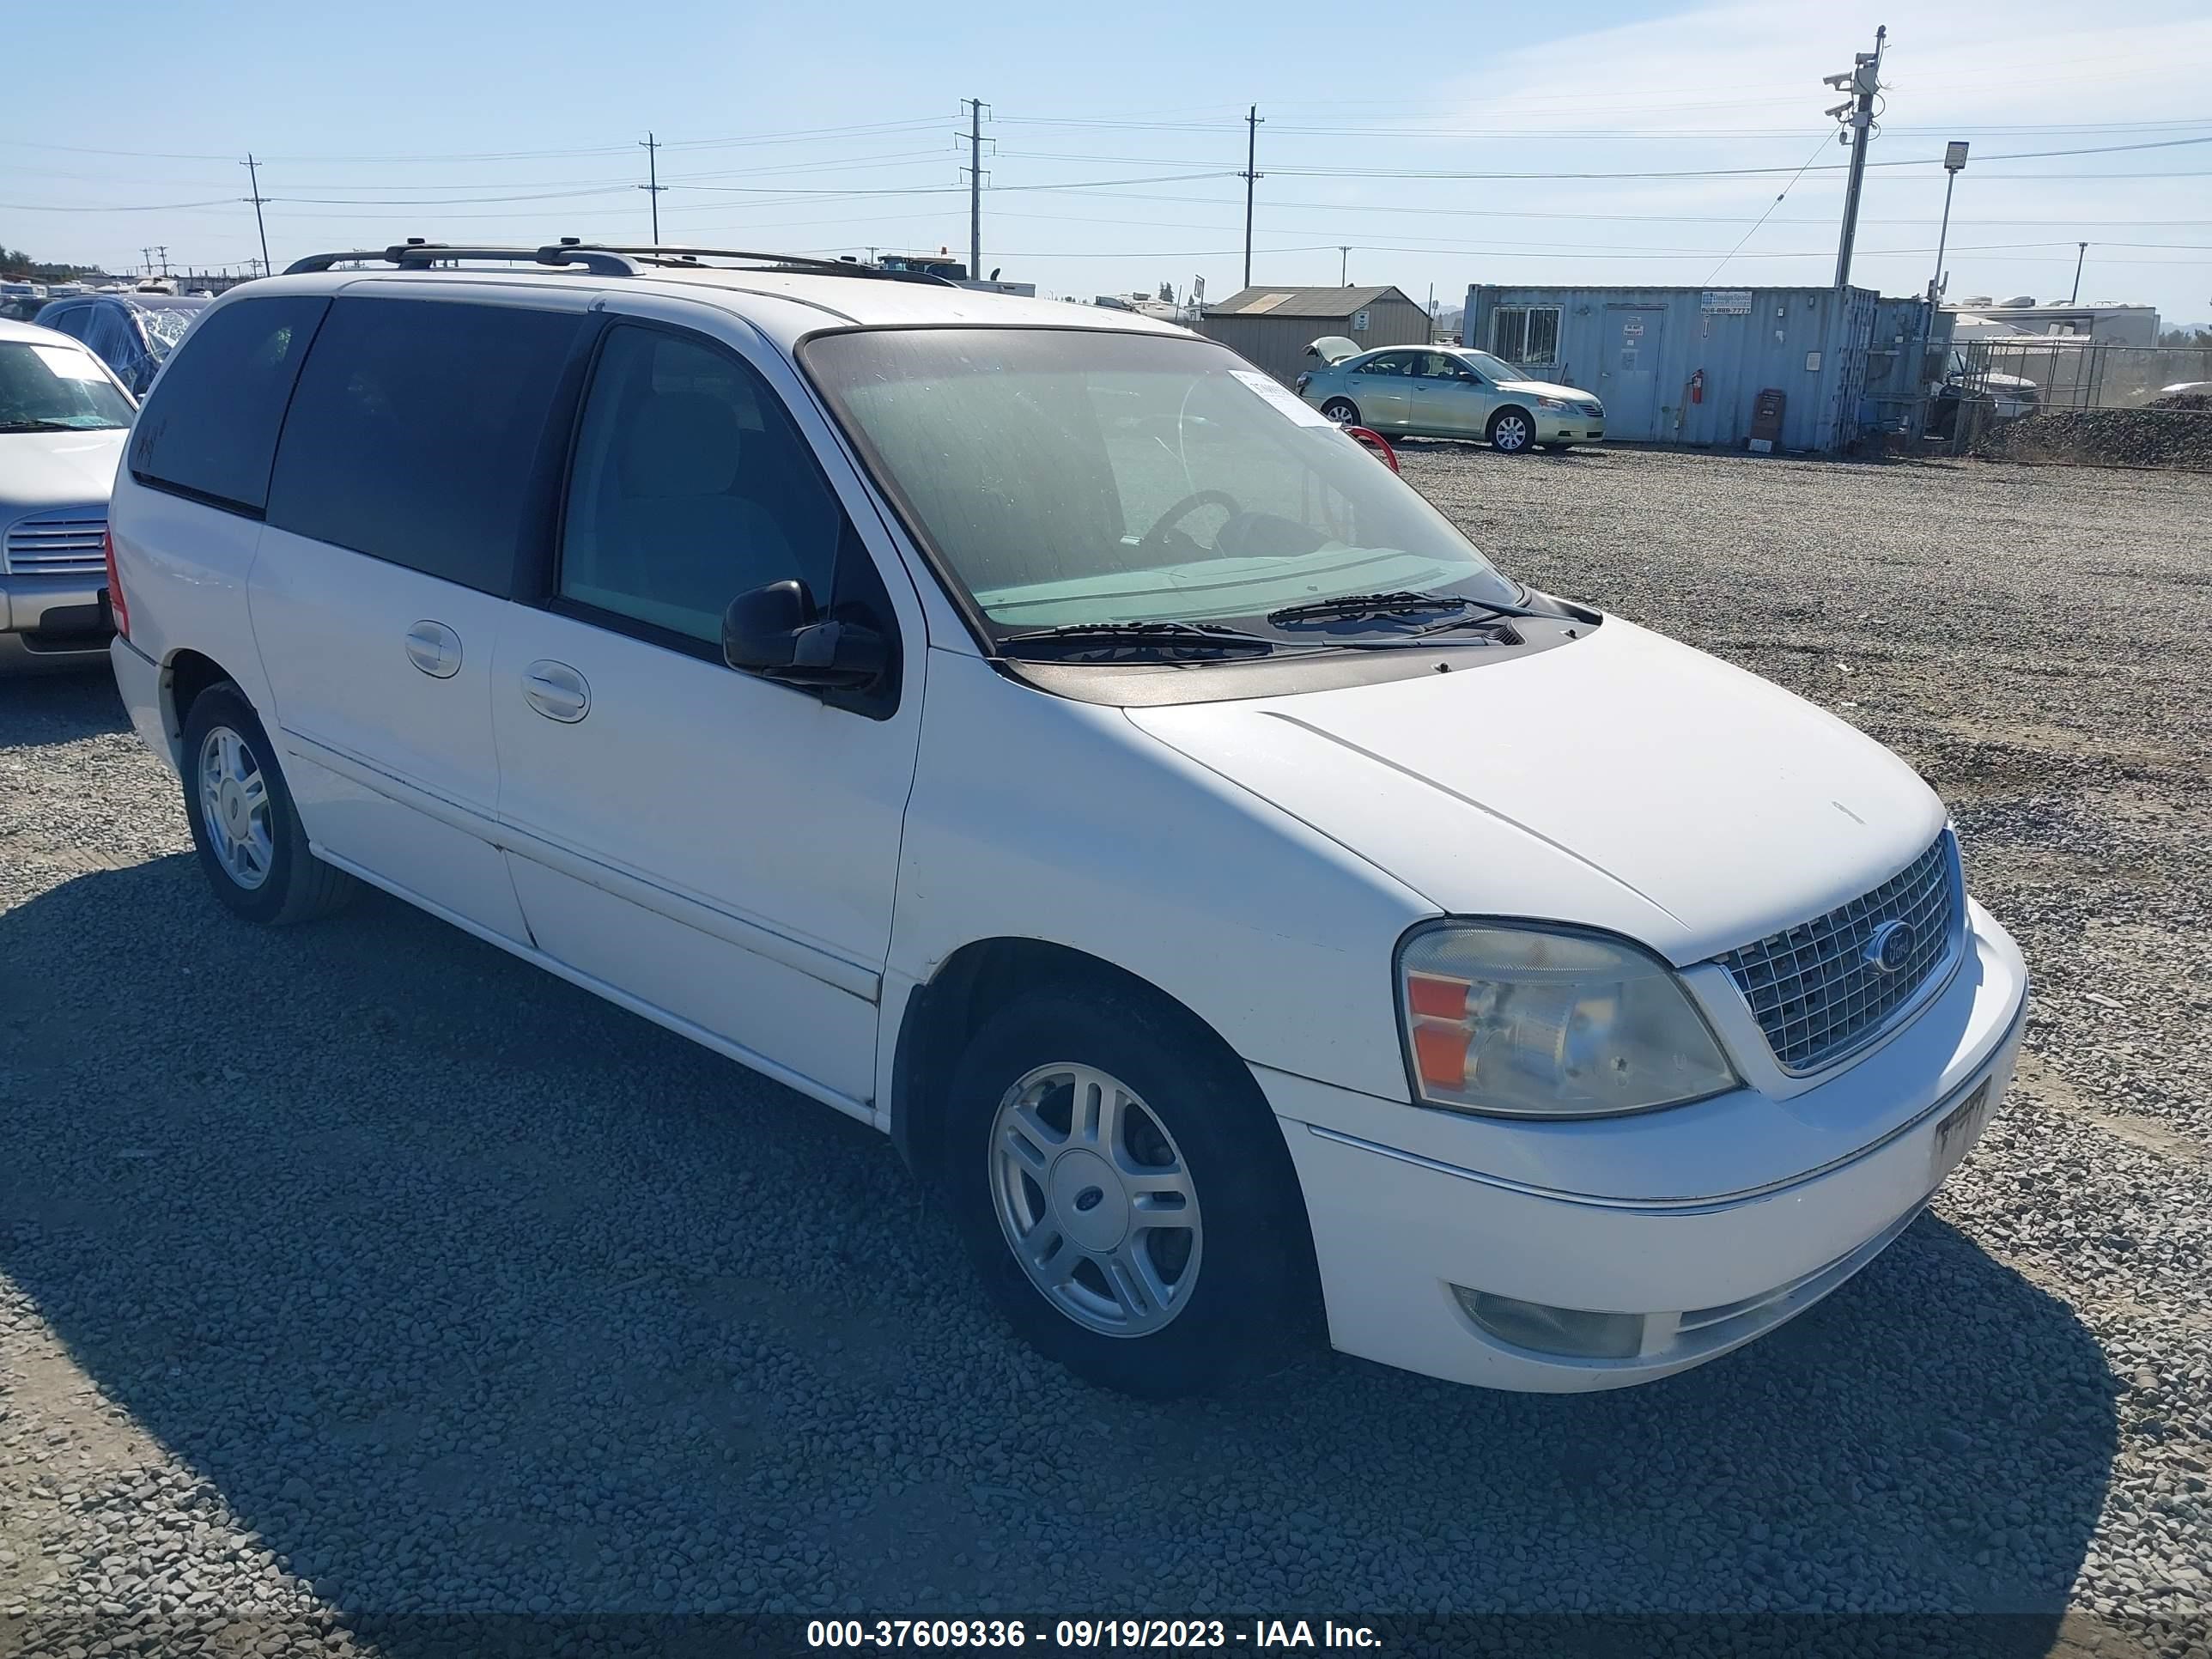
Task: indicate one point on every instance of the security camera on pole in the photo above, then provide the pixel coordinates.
(1856, 113)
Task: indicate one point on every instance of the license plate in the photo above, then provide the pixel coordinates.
(1959, 1128)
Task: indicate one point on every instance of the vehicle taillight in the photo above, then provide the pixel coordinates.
(1303, 380)
(115, 604)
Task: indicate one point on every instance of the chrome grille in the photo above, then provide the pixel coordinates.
(59, 543)
(1811, 987)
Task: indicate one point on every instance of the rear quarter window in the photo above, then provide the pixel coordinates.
(210, 428)
(414, 434)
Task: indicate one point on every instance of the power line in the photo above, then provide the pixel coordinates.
(1776, 203)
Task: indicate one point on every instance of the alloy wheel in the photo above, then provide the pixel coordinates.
(1095, 1200)
(235, 808)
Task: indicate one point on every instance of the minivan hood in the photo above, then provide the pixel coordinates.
(43, 470)
(1622, 781)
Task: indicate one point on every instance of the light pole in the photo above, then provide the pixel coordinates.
(1955, 163)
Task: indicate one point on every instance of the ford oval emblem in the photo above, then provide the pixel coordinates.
(1891, 946)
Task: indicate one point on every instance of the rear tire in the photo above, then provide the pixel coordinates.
(243, 825)
(1343, 411)
(1512, 431)
(1073, 1117)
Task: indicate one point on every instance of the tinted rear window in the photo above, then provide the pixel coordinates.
(210, 427)
(414, 434)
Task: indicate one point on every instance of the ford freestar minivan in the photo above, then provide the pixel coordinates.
(1032, 731)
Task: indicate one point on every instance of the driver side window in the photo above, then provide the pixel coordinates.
(1440, 365)
(690, 485)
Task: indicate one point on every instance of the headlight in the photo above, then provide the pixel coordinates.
(1557, 405)
(1535, 1022)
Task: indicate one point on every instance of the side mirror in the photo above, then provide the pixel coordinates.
(777, 633)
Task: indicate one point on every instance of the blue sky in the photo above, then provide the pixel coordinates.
(1116, 134)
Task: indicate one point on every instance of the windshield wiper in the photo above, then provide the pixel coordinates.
(42, 426)
(1140, 635)
(1380, 604)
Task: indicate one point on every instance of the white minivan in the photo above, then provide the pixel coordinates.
(1036, 734)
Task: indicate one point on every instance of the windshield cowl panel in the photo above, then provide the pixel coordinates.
(1065, 477)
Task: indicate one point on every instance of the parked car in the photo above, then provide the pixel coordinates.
(20, 301)
(2009, 397)
(1060, 748)
(1448, 392)
(63, 418)
(132, 333)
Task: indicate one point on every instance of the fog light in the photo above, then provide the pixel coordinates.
(1569, 1331)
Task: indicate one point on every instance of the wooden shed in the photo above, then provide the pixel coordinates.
(1271, 327)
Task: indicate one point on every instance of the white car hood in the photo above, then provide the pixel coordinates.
(1549, 389)
(1622, 781)
(39, 471)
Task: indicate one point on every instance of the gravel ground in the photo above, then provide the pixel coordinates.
(358, 1282)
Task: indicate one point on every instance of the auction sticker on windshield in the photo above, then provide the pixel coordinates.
(68, 363)
(1283, 398)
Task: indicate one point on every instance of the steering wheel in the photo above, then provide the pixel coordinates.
(1156, 539)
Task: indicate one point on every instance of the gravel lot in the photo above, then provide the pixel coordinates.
(360, 1272)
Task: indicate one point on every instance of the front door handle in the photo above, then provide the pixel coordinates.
(434, 648)
(557, 691)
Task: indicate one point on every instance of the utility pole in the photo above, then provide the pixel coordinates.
(146, 258)
(1343, 265)
(1251, 173)
(1862, 80)
(2075, 298)
(162, 253)
(975, 109)
(652, 186)
(253, 173)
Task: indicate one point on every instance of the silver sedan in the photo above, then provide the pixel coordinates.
(1450, 392)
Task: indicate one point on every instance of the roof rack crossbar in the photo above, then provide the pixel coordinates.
(421, 256)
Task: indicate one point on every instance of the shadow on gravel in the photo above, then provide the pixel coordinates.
(473, 1295)
(50, 708)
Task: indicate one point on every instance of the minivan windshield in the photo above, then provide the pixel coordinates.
(56, 388)
(1071, 478)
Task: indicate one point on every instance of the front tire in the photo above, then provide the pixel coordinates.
(243, 825)
(1125, 1194)
(1343, 411)
(1512, 431)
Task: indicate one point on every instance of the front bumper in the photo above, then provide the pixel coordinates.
(1395, 1229)
(51, 622)
(1573, 427)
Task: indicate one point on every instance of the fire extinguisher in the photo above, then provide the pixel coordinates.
(1697, 387)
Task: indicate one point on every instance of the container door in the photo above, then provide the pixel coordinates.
(1628, 384)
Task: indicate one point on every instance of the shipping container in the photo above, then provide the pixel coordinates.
(1685, 365)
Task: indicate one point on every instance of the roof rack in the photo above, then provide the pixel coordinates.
(604, 260)
(665, 255)
(416, 254)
